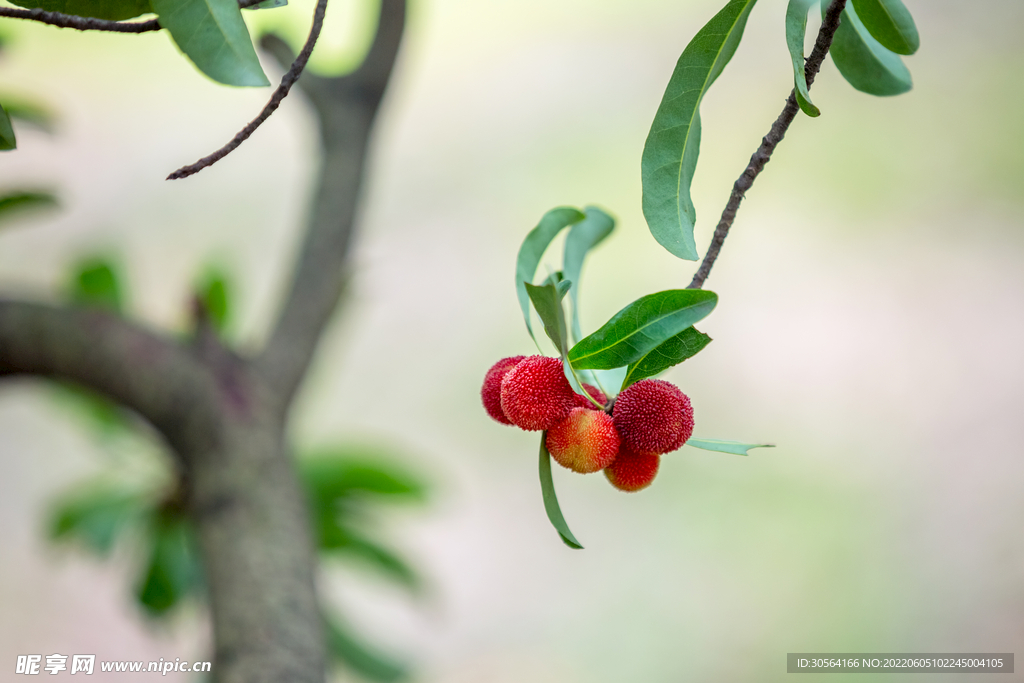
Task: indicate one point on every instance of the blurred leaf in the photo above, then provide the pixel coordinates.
(864, 62)
(96, 517)
(31, 113)
(532, 249)
(213, 295)
(173, 571)
(329, 475)
(890, 23)
(7, 139)
(670, 153)
(347, 650)
(96, 283)
(547, 487)
(25, 201)
(104, 414)
(583, 237)
(334, 537)
(641, 327)
(213, 35)
(796, 29)
(733, 447)
(114, 10)
(672, 351)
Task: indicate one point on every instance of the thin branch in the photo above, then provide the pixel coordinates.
(778, 130)
(79, 23)
(89, 23)
(287, 82)
(346, 107)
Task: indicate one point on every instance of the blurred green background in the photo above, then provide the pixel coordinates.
(871, 325)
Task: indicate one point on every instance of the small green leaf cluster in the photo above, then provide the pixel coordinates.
(344, 486)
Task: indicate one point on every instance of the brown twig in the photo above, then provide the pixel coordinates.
(778, 130)
(287, 82)
(89, 23)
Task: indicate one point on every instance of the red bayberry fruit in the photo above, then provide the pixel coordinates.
(535, 394)
(597, 395)
(632, 470)
(585, 441)
(490, 393)
(653, 416)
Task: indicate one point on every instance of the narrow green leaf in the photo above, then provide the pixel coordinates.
(96, 284)
(734, 447)
(796, 28)
(31, 113)
(670, 153)
(583, 237)
(547, 487)
(113, 10)
(213, 294)
(346, 649)
(548, 302)
(641, 327)
(173, 571)
(532, 249)
(268, 4)
(17, 201)
(890, 23)
(334, 474)
(7, 139)
(382, 559)
(213, 35)
(96, 516)
(864, 62)
(672, 351)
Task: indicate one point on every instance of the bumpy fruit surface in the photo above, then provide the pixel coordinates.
(653, 416)
(597, 395)
(632, 470)
(490, 393)
(535, 394)
(585, 441)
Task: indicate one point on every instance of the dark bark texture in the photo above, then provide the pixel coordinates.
(222, 414)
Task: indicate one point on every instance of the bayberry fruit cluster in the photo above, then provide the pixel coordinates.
(625, 439)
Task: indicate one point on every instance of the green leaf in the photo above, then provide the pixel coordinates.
(864, 62)
(672, 351)
(670, 153)
(641, 327)
(96, 284)
(583, 237)
(532, 249)
(890, 23)
(96, 517)
(7, 139)
(548, 302)
(213, 35)
(17, 201)
(796, 28)
(31, 113)
(346, 649)
(734, 447)
(329, 475)
(213, 294)
(173, 571)
(547, 487)
(113, 10)
(343, 540)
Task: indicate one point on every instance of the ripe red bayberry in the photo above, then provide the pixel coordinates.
(490, 393)
(653, 416)
(585, 441)
(632, 470)
(535, 394)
